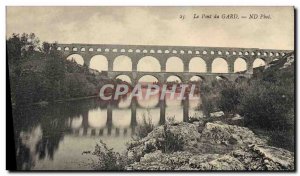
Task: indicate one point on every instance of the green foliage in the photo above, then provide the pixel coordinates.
(146, 127)
(42, 74)
(172, 142)
(21, 46)
(230, 97)
(46, 47)
(266, 101)
(267, 105)
(108, 159)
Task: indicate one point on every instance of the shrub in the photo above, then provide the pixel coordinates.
(172, 142)
(108, 159)
(266, 105)
(146, 127)
(230, 97)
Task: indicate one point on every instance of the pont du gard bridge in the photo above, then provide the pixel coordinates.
(162, 53)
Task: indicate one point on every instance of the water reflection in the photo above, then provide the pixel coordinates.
(55, 136)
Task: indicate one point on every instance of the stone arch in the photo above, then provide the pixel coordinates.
(76, 58)
(197, 78)
(148, 78)
(82, 49)
(91, 49)
(76, 122)
(74, 49)
(240, 79)
(99, 62)
(97, 118)
(197, 64)
(122, 63)
(222, 78)
(259, 62)
(58, 48)
(67, 48)
(219, 65)
(174, 64)
(148, 63)
(240, 64)
(124, 78)
(174, 78)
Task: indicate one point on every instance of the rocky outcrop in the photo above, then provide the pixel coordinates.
(213, 146)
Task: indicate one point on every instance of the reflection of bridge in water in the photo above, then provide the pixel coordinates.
(109, 129)
(136, 53)
(162, 54)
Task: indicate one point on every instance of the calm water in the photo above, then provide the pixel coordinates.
(55, 136)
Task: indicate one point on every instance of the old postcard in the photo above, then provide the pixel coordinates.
(151, 88)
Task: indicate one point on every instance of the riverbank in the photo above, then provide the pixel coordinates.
(200, 145)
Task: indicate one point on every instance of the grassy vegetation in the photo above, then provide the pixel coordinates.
(37, 73)
(172, 142)
(266, 102)
(146, 126)
(108, 159)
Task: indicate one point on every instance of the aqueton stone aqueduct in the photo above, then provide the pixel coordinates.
(163, 53)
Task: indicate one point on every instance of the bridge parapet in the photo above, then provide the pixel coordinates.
(163, 53)
(183, 76)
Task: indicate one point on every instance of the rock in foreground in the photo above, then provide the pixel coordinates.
(213, 146)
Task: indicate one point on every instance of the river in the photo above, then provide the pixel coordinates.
(54, 137)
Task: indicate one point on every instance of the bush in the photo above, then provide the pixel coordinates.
(108, 159)
(230, 97)
(172, 142)
(146, 127)
(267, 106)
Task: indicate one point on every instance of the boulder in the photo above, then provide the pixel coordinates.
(218, 147)
(221, 133)
(216, 114)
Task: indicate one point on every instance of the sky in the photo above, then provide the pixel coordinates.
(156, 26)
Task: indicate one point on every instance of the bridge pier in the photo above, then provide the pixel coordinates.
(85, 122)
(110, 64)
(109, 118)
(162, 106)
(230, 67)
(185, 103)
(133, 121)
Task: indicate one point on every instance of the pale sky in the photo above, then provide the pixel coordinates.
(156, 26)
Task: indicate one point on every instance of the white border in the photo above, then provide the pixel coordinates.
(5, 3)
